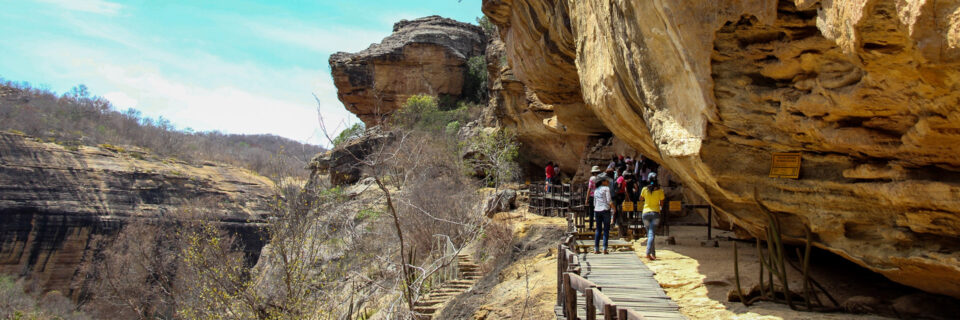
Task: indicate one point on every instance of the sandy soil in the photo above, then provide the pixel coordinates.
(522, 283)
(700, 278)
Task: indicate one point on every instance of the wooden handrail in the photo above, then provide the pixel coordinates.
(574, 284)
(580, 284)
(632, 315)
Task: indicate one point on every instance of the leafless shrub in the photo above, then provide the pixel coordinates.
(20, 299)
(134, 275)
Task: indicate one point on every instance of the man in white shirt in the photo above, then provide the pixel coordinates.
(603, 210)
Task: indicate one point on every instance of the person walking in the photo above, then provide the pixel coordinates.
(652, 196)
(604, 212)
(591, 186)
(549, 173)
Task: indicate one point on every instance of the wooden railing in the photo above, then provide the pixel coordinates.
(557, 200)
(570, 284)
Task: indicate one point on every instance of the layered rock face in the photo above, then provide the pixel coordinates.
(55, 200)
(866, 90)
(422, 56)
(516, 107)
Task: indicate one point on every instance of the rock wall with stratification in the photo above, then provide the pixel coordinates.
(867, 91)
(55, 200)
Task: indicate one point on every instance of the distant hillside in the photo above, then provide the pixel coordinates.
(76, 118)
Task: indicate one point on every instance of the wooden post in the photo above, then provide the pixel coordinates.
(622, 314)
(560, 268)
(591, 309)
(571, 296)
(610, 312)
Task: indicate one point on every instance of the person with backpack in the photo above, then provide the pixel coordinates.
(653, 197)
(604, 211)
(620, 192)
(591, 187)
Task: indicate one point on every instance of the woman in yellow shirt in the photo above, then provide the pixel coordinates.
(652, 196)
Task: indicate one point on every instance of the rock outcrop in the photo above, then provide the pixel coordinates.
(422, 56)
(344, 164)
(55, 200)
(516, 107)
(866, 90)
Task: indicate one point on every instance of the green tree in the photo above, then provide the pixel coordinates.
(489, 29)
(475, 80)
(353, 132)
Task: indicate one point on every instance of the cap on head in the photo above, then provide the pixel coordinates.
(595, 169)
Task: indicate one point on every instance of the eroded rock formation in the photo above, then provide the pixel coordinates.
(54, 200)
(344, 164)
(516, 107)
(866, 90)
(422, 56)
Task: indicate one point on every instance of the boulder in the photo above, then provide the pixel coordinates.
(866, 90)
(343, 164)
(501, 201)
(422, 56)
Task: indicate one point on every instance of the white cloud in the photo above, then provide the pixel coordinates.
(202, 90)
(121, 100)
(89, 6)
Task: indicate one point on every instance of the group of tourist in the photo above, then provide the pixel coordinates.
(624, 180)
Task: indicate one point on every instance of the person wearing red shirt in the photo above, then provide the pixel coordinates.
(550, 173)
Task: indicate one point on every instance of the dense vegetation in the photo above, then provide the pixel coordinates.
(77, 118)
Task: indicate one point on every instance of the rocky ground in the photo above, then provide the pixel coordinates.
(701, 278)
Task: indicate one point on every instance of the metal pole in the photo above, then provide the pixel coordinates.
(709, 223)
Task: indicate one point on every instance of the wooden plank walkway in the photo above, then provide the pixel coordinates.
(629, 283)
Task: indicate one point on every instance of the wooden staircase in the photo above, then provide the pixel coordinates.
(468, 274)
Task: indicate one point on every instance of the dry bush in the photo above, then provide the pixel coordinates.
(134, 275)
(22, 299)
(495, 240)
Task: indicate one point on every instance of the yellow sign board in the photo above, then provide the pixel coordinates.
(627, 206)
(785, 165)
(675, 206)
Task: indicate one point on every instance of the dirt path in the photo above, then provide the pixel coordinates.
(700, 278)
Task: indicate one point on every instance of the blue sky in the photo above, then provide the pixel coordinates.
(235, 66)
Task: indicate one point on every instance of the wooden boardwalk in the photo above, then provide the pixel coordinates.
(624, 278)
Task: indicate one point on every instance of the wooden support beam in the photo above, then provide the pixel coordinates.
(591, 309)
(610, 312)
(571, 297)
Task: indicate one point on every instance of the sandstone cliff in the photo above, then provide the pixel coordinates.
(867, 90)
(516, 107)
(54, 200)
(422, 56)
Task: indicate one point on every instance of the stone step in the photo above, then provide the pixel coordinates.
(448, 290)
(425, 310)
(459, 286)
(429, 302)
